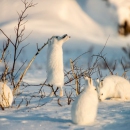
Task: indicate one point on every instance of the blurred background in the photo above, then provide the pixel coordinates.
(90, 23)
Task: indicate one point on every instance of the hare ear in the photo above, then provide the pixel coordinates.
(89, 79)
(101, 84)
(91, 82)
(86, 77)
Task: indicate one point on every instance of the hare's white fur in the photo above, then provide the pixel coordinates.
(6, 96)
(55, 71)
(84, 108)
(114, 87)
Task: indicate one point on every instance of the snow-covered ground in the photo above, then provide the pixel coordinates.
(111, 116)
(89, 23)
(45, 113)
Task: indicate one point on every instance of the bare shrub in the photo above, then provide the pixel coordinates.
(10, 72)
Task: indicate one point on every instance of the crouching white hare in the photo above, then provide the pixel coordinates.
(55, 70)
(6, 96)
(84, 108)
(114, 87)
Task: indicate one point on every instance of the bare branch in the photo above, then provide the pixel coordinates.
(26, 36)
(105, 63)
(20, 104)
(21, 51)
(75, 77)
(20, 68)
(80, 56)
(69, 97)
(4, 50)
(58, 101)
(7, 36)
(21, 77)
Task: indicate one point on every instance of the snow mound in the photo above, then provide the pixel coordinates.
(52, 18)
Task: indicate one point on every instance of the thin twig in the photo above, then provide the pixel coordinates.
(7, 36)
(105, 63)
(75, 77)
(58, 101)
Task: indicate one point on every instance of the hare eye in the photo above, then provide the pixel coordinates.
(56, 36)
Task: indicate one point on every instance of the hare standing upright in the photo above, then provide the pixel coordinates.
(84, 108)
(55, 70)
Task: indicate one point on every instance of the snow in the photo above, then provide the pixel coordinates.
(111, 115)
(89, 23)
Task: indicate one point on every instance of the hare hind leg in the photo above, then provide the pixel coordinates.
(61, 92)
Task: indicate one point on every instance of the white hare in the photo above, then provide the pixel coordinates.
(55, 70)
(6, 96)
(84, 108)
(114, 87)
